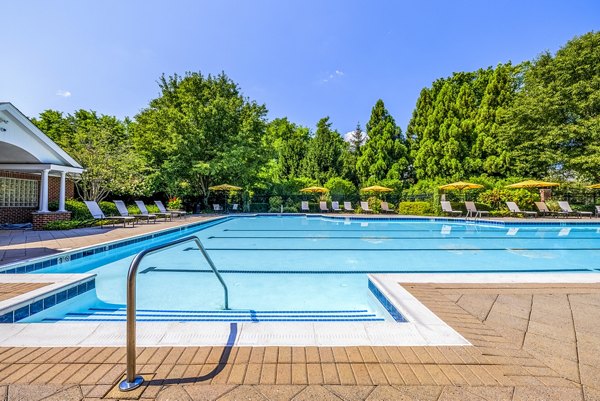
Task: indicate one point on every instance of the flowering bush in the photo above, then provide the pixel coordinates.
(174, 203)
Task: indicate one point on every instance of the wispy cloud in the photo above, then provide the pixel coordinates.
(63, 93)
(332, 76)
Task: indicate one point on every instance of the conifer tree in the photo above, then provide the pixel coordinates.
(323, 158)
(385, 154)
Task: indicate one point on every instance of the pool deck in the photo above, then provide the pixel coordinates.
(530, 341)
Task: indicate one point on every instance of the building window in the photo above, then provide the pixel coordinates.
(16, 192)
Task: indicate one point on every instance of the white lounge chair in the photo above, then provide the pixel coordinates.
(348, 207)
(217, 208)
(472, 210)
(143, 210)
(122, 208)
(365, 207)
(565, 207)
(335, 206)
(386, 208)
(514, 210)
(163, 209)
(99, 215)
(323, 206)
(304, 206)
(544, 210)
(447, 208)
(235, 207)
(597, 211)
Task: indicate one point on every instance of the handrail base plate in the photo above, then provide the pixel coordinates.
(128, 386)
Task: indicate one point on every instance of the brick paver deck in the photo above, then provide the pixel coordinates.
(530, 342)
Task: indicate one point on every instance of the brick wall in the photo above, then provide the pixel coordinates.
(41, 219)
(13, 215)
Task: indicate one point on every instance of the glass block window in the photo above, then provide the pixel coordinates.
(16, 192)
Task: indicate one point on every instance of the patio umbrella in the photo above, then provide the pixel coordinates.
(224, 187)
(376, 188)
(314, 190)
(533, 184)
(460, 186)
(595, 186)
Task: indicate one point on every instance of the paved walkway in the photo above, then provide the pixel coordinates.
(530, 342)
(16, 245)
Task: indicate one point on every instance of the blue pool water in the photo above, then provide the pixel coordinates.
(311, 268)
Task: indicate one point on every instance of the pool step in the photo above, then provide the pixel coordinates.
(154, 315)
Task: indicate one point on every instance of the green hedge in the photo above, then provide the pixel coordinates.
(69, 224)
(416, 208)
(79, 210)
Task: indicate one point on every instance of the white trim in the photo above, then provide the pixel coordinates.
(40, 167)
(21, 118)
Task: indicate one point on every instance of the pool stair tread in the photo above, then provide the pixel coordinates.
(240, 315)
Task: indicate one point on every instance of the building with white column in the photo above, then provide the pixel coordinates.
(34, 171)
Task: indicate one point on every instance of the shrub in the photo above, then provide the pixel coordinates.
(416, 208)
(78, 209)
(340, 187)
(275, 203)
(290, 206)
(497, 198)
(374, 204)
(69, 224)
(174, 203)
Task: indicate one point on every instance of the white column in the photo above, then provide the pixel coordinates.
(63, 191)
(44, 192)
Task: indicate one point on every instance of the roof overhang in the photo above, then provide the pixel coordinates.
(21, 132)
(26, 167)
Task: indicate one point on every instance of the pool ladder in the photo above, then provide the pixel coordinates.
(132, 381)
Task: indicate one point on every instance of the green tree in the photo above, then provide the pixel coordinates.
(323, 157)
(102, 145)
(199, 132)
(385, 154)
(553, 126)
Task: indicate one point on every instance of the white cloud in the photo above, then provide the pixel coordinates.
(332, 76)
(63, 93)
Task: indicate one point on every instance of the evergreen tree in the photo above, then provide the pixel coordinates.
(487, 152)
(357, 140)
(385, 154)
(323, 157)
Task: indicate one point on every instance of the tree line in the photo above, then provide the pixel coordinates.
(538, 119)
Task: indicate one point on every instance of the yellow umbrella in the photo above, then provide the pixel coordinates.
(460, 186)
(533, 184)
(595, 186)
(224, 187)
(314, 190)
(376, 188)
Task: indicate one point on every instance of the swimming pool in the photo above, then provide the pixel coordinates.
(309, 268)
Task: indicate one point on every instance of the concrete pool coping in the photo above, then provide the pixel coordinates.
(423, 328)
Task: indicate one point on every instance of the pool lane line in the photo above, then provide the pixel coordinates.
(217, 320)
(444, 237)
(222, 317)
(374, 271)
(396, 249)
(234, 311)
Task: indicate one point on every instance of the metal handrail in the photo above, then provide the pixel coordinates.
(132, 381)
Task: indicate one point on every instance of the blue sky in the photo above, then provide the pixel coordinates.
(303, 59)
